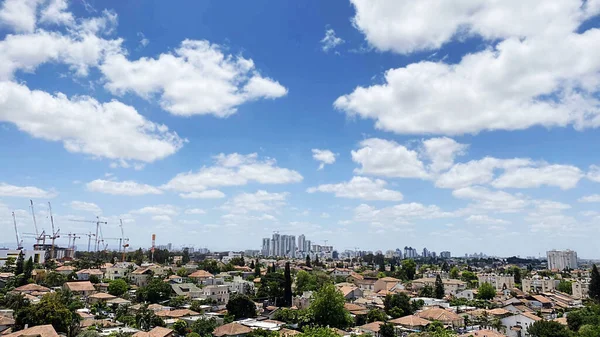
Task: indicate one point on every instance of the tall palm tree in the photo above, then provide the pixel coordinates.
(497, 325)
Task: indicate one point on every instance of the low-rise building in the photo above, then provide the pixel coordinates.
(84, 274)
(500, 282)
(580, 289)
(82, 288)
(517, 325)
(218, 293)
(189, 290)
(451, 286)
(387, 284)
(538, 284)
(232, 330)
(141, 276)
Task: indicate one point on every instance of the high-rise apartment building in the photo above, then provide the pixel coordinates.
(445, 254)
(302, 243)
(410, 253)
(266, 247)
(562, 259)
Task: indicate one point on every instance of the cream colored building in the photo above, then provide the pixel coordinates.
(499, 282)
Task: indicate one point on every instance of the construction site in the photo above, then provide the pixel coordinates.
(50, 245)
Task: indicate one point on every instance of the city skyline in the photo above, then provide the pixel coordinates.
(224, 126)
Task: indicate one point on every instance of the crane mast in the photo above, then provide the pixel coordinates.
(19, 243)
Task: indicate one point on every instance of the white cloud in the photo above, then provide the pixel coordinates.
(7, 190)
(590, 198)
(55, 13)
(323, 156)
(20, 15)
(233, 170)
(330, 41)
(86, 207)
(563, 176)
(549, 206)
(387, 158)
(482, 219)
(477, 172)
(360, 188)
(161, 218)
(491, 200)
(594, 173)
(196, 79)
(325, 215)
(398, 214)
(512, 85)
(196, 211)
(208, 194)
(143, 40)
(408, 26)
(108, 130)
(261, 201)
(442, 151)
(127, 187)
(157, 210)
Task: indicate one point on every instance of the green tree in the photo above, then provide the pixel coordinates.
(319, 332)
(238, 261)
(594, 290)
(387, 330)
(410, 268)
(262, 333)
(308, 261)
(94, 279)
(156, 291)
(54, 279)
(28, 269)
(257, 269)
(454, 273)
(486, 291)
(287, 291)
(375, 315)
(565, 287)
(426, 291)
(241, 306)
(146, 319)
(439, 287)
(117, 287)
(204, 326)
(180, 327)
(19, 264)
(328, 309)
(548, 329)
(398, 305)
(271, 287)
(193, 334)
(185, 257)
(589, 330)
(469, 277)
(51, 309)
(182, 272)
(517, 274)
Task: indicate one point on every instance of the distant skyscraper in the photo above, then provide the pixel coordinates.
(266, 247)
(562, 259)
(302, 243)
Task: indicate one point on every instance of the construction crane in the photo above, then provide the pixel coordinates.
(39, 237)
(73, 236)
(19, 243)
(125, 241)
(97, 222)
(89, 235)
(55, 234)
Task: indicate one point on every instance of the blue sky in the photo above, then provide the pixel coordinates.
(375, 124)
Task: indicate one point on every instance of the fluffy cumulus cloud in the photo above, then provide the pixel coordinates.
(442, 152)
(86, 207)
(562, 176)
(486, 199)
(195, 211)
(594, 173)
(7, 190)
(260, 201)
(400, 214)
(208, 194)
(232, 170)
(196, 79)
(389, 159)
(83, 125)
(157, 210)
(324, 157)
(511, 85)
(330, 41)
(590, 198)
(127, 187)
(482, 219)
(360, 188)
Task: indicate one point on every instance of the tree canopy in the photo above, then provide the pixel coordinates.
(156, 291)
(328, 309)
(439, 287)
(241, 306)
(486, 291)
(594, 291)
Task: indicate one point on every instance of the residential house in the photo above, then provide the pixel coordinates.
(517, 325)
(84, 274)
(100, 297)
(469, 294)
(580, 289)
(4, 278)
(156, 332)
(174, 279)
(218, 293)
(32, 289)
(117, 271)
(451, 286)
(499, 282)
(341, 272)
(538, 284)
(411, 322)
(442, 315)
(6, 323)
(363, 282)
(232, 330)
(483, 333)
(371, 328)
(240, 286)
(37, 331)
(65, 270)
(82, 288)
(200, 276)
(303, 301)
(118, 302)
(351, 292)
(172, 316)
(387, 284)
(189, 290)
(538, 302)
(141, 276)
